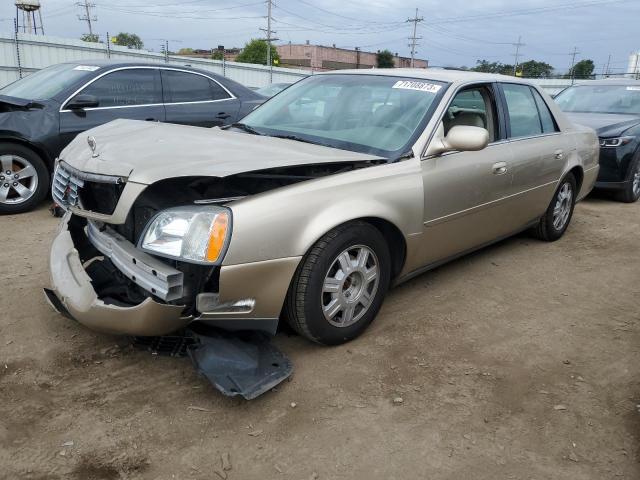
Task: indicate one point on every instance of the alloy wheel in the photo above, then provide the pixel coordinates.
(18, 179)
(350, 286)
(636, 181)
(562, 209)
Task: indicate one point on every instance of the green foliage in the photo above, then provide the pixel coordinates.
(91, 37)
(256, 52)
(582, 69)
(217, 55)
(130, 40)
(530, 68)
(534, 69)
(384, 59)
(185, 51)
(493, 67)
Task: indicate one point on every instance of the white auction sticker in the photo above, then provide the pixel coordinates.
(635, 89)
(86, 68)
(421, 86)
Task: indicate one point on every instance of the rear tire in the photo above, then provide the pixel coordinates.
(340, 284)
(556, 219)
(24, 179)
(631, 192)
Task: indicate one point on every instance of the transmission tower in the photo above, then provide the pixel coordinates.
(87, 16)
(516, 55)
(415, 20)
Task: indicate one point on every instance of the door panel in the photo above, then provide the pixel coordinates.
(194, 99)
(538, 150)
(129, 93)
(464, 200)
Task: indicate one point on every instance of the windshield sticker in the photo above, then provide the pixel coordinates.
(86, 68)
(421, 86)
(634, 89)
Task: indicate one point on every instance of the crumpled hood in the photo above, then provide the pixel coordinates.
(605, 124)
(147, 152)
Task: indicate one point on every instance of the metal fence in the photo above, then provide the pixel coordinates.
(21, 54)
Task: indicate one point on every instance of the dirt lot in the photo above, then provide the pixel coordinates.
(518, 362)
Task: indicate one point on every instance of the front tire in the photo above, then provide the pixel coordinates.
(24, 179)
(631, 192)
(340, 284)
(556, 219)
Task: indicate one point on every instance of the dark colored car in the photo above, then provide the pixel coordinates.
(40, 114)
(612, 108)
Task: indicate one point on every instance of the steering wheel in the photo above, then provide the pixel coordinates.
(400, 125)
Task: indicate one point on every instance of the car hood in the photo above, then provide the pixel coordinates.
(605, 124)
(147, 152)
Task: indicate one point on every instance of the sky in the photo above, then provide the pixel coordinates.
(454, 32)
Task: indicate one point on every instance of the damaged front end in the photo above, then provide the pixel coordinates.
(105, 277)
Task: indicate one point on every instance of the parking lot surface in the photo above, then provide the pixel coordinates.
(520, 361)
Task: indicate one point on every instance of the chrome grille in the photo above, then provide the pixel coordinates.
(87, 191)
(65, 188)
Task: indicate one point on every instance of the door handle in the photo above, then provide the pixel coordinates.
(223, 115)
(499, 168)
(559, 154)
(150, 119)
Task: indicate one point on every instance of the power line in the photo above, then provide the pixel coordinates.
(87, 16)
(415, 20)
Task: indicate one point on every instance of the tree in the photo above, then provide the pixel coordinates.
(90, 37)
(493, 67)
(256, 52)
(384, 59)
(130, 40)
(185, 51)
(582, 69)
(535, 69)
(218, 55)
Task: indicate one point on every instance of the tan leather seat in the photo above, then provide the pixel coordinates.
(470, 119)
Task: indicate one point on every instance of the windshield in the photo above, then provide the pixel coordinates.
(48, 82)
(375, 114)
(623, 99)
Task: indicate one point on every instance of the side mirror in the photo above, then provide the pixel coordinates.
(82, 101)
(462, 138)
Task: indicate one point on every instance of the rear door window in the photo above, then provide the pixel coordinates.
(546, 118)
(130, 87)
(182, 87)
(524, 118)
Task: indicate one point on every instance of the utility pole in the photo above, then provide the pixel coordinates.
(517, 55)
(415, 20)
(269, 39)
(605, 71)
(573, 63)
(87, 17)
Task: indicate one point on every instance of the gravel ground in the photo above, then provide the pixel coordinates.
(517, 362)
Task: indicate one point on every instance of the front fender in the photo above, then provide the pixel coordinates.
(286, 222)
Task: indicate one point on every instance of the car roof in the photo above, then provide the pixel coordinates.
(438, 74)
(236, 88)
(118, 64)
(610, 81)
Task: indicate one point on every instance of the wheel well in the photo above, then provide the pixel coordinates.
(395, 240)
(38, 151)
(578, 174)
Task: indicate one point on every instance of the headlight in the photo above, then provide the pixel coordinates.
(193, 234)
(615, 142)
